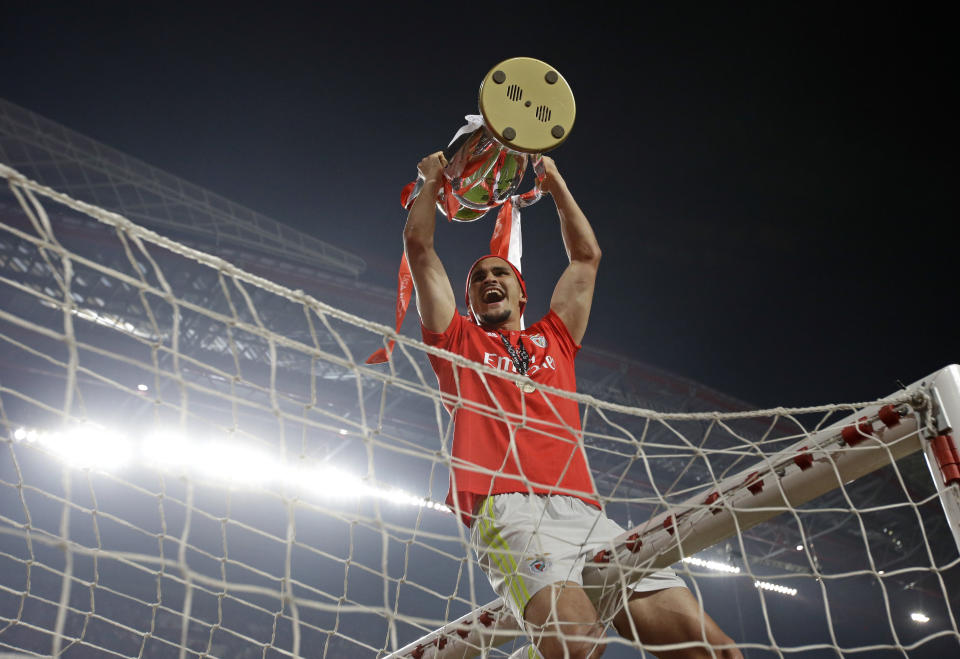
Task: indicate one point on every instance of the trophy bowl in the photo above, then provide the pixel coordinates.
(527, 108)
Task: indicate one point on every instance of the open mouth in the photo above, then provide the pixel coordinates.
(492, 295)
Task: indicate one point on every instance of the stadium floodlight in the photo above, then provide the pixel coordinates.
(166, 449)
(88, 447)
(169, 449)
(403, 498)
(799, 547)
(329, 482)
(917, 616)
(775, 588)
(239, 465)
(711, 565)
(217, 460)
(142, 387)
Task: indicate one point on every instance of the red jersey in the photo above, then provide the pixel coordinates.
(549, 456)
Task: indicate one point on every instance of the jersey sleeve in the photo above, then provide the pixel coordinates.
(451, 339)
(448, 339)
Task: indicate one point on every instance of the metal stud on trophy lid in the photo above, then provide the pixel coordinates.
(527, 105)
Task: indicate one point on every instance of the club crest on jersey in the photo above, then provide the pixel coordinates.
(539, 340)
(538, 565)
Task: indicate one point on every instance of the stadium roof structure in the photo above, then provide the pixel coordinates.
(63, 159)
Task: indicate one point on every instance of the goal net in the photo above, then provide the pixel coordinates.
(197, 462)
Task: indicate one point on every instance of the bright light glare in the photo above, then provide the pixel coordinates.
(235, 464)
(88, 447)
(783, 590)
(26, 434)
(799, 547)
(222, 461)
(916, 616)
(711, 565)
(399, 496)
(142, 387)
(330, 482)
(167, 449)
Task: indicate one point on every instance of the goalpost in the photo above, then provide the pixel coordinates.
(875, 436)
(197, 462)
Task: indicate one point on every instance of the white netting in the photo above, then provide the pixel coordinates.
(198, 463)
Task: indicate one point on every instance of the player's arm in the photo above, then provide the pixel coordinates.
(435, 300)
(573, 294)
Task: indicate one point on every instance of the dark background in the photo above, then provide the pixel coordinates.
(772, 185)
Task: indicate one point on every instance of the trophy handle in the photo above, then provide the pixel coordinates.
(448, 154)
(455, 145)
(534, 194)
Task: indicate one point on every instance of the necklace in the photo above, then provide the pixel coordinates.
(521, 361)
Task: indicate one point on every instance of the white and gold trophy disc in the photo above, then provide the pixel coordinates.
(527, 105)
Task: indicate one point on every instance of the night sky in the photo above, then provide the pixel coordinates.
(772, 187)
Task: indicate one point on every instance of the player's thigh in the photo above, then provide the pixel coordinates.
(673, 615)
(563, 621)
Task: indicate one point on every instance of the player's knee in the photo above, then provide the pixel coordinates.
(576, 642)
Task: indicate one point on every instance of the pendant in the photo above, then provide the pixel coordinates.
(526, 387)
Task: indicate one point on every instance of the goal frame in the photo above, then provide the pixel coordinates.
(917, 418)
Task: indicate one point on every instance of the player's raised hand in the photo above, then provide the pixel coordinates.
(550, 179)
(431, 167)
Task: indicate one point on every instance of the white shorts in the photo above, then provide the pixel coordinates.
(525, 543)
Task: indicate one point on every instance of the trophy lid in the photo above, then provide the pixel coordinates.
(527, 105)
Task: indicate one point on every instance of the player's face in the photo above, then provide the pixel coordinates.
(495, 293)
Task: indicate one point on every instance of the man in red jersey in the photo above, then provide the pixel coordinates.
(519, 477)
